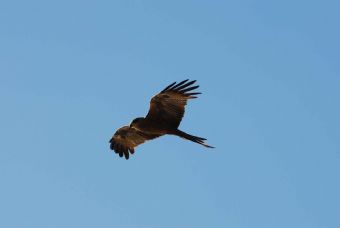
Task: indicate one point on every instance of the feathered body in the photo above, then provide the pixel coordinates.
(164, 117)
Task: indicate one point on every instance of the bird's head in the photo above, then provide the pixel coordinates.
(136, 121)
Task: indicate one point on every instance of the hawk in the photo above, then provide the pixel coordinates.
(165, 114)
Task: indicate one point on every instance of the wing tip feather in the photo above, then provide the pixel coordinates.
(182, 88)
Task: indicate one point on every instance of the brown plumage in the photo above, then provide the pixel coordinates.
(164, 117)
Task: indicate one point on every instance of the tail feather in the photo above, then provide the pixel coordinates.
(193, 138)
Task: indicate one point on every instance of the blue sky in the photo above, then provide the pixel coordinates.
(72, 72)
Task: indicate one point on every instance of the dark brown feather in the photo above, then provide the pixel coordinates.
(175, 87)
(168, 107)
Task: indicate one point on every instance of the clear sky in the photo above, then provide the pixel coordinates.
(72, 72)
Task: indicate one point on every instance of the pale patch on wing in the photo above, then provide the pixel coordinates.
(126, 139)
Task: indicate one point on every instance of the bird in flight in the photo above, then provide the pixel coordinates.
(165, 114)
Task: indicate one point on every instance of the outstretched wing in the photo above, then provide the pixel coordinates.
(126, 139)
(168, 106)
